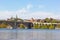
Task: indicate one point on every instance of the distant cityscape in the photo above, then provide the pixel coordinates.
(18, 23)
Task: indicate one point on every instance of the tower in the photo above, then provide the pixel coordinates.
(16, 16)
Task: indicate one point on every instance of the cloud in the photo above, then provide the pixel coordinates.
(26, 14)
(29, 6)
(23, 10)
(42, 15)
(8, 14)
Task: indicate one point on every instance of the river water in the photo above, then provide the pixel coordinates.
(29, 34)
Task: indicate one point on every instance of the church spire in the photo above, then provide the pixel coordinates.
(16, 16)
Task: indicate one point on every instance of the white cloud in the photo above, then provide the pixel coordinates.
(26, 14)
(42, 15)
(29, 6)
(5, 14)
(8, 14)
(23, 10)
(23, 13)
(20, 12)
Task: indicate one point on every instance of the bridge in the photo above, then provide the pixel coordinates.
(15, 24)
(29, 25)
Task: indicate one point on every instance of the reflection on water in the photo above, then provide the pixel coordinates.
(29, 34)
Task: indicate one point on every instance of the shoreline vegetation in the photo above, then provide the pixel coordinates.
(17, 23)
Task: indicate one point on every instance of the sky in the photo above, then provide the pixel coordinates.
(27, 9)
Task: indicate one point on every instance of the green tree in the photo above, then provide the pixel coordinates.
(51, 26)
(3, 26)
(22, 26)
(47, 20)
(58, 26)
(44, 26)
(36, 26)
(53, 21)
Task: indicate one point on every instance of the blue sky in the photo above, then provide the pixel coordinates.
(27, 9)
